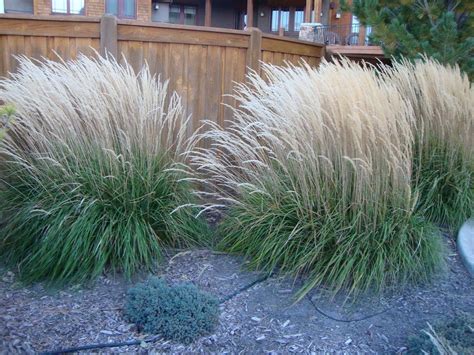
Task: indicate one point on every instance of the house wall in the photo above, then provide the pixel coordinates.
(224, 16)
(265, 9)
(43, 7)
(346, 17)
(225, 13)
(143, 10)
(162, 13)
(264, 22)
(95, 8)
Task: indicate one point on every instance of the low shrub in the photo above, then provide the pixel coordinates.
(452, 337)
(88, 178)
(315, 175)
(181, 313)
(442, 98)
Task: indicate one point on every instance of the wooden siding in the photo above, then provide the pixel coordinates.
(202, 64)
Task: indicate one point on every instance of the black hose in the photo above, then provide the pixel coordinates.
(345, 320)
(148, 340)
(221, 301)
(243, 289)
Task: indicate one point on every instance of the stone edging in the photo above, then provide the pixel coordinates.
(466, 245)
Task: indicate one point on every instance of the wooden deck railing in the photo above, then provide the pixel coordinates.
(202, 63)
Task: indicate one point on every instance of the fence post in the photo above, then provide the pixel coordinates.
(108, 36)
(254, 52)
(361, 39)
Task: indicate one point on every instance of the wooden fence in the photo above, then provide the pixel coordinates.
(202, 63)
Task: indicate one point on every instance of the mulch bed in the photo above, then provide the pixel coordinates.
(262, 319)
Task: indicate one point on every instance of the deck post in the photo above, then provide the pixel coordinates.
(249, 13)
(307, 12)
(108, 36)
(361, 39)
(208, 13)
(317, 10)
(254, 52)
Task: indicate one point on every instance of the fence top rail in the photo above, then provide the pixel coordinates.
(69, 18)
(292, 40)
(135, 23)
(182, 27)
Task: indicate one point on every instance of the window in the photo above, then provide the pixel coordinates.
(183, 14)
(121, 8)
(280, 18)
(299, 19)
(175, 14)
(16, 6)
(275, 20)
(355, 24)
(368, 32)
(189, 15)
(68, 7)
(285, 19)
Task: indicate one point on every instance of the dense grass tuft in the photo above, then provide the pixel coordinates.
(442, 98)
(315, 172)
(455, 336)
(86, 182)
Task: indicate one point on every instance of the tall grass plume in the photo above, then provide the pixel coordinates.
(314, 174)
(443, 102)
(85, 178)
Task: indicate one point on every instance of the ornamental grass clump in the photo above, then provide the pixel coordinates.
(443, 102)
(314, 174)
(85, 178)
(6, 112)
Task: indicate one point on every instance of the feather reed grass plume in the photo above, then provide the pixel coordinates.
(85, 179)
(443, 102)
(315, 172)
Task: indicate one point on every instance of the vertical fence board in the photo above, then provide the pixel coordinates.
(214, 83)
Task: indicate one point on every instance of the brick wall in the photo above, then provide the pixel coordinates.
(344, 20)
(144, 10)
(97, 8)
(42, 7)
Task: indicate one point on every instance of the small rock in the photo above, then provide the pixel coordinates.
(292, 335)
(256, 319)
(124, 328)
(260, 337)
(384, 338)
(348, 341)
(9, 277)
